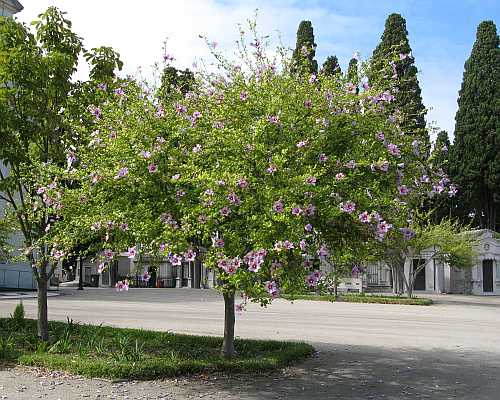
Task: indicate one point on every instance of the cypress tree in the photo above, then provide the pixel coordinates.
(441, 205)
(352, 71)
(305, 50)
(475, 159)
(331, 66)
(441, 151)
(395, 43)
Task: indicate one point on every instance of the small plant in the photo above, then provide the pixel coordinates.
(17, 318)
(7, 346)
(128, 352)
(62, 346)
(42, 347)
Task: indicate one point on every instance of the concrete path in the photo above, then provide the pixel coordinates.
(366, 351)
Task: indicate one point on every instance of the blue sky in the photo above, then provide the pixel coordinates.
(441, 32)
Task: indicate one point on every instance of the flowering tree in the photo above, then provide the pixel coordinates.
(266, 169)
(37, 94)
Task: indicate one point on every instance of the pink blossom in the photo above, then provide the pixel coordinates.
(197, 148)
(301, 144)
(380, 136)
(307, 264)
(288, 245)
(242, 183)
(218, 242)
(407, 233)
(146, 276)
(425, 179)
(255, 259)
(225, 211)
(453, 190)
(218, 125)
(121, 286)
(108, 253)
(340, 176)
(351, 164)
(190, 255)
(323, 158)
(124, 226)
(296, 211)
(323, 251)
(234, 199)
(312, 78)
(308, 104)
(132, 252)
(384, 166)
(393, 149)
(243, 96)
(271, 169)
(176, 177)
(278, 206)
(403, 190)
(308, 227)
(202, 219)
(310, 210)
(175, 260)
(303, 244)
(181, 109)
(274, 119)
(348, 207)
(122, 172)
(272, 288)
(364, 217)
(311, 180)
(152, 168)
(40, 190)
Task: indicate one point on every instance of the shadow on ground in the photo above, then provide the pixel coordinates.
(374, 373)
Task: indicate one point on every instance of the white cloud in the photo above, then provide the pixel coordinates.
(137, 31)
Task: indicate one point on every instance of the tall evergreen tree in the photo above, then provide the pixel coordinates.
(395, 43)
(441, 205)
(331, 66)
(352, 71)
(305, 50)
(475, 158)
(441, 151)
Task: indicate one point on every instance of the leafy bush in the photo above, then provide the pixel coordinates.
(17, 318)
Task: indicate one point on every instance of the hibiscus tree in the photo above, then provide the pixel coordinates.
(265, 168)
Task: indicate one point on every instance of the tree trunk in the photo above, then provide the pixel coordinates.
(229, 312)
(43, 319)
(410, 286)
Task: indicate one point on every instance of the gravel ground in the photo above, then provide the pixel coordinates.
(366, 351)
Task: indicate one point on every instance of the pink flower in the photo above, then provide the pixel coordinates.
(242, 183)
(272, 288)
(296, 211)
(365, 218)
(425, 179)
(453, 190)
(176, 177)
(234, 199)
(288, 245)
(152, 168)
(311, 180)
(243, 96)
(108, 253)
(340, 176)
(146, 276)
(175, 260)
(307, 264)
(403, 190)
(121, 286)
(197, 148)
(189, 255)
(40, 190)
(308, 104)
(132, 252)
(278, 206)
(323, 158)
(308, 227)
(202, 219)
(312, 78)
(380, 136)
(255, 259)
(301, 144)
(323, 251)
(122, 172)
(384, 166)
(225, 211)
(348, 207)
(310, 210)
(303, 244)
(273, 119)
(271, 169)
(218, 242)
(351, 164)
(393, 149)
(181, 109)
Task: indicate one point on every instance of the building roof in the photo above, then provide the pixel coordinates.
(13, 4)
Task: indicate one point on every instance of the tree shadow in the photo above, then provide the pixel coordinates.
(362, 372)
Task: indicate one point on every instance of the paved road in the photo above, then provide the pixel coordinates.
(367, 351)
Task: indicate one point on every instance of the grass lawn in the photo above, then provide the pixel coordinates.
(361, 298)
(115, 353)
